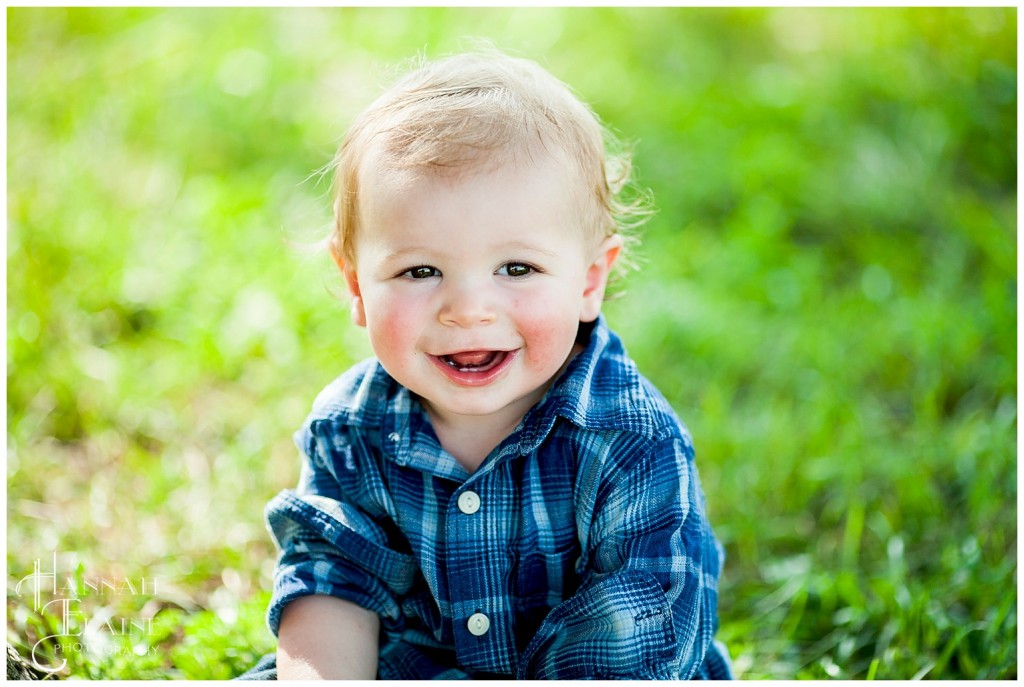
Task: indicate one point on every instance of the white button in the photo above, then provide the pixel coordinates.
(394, 436)
(469, 502)
(478, 624)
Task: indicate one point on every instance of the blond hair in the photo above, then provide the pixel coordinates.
(457, 112)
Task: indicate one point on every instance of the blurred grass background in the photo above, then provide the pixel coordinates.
(828, 297)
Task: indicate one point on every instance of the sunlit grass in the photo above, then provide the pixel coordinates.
(827, 296)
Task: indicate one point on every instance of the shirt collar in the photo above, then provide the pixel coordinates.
(601, 389)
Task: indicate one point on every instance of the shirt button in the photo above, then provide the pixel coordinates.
(394, 436)
(469, 503)
(478, 624)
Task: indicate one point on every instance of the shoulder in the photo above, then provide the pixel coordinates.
(359, 396)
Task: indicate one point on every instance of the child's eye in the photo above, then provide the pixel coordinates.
(421, 272)
(515, 269)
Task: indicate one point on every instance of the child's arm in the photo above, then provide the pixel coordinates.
(646, 606)
(323, 637)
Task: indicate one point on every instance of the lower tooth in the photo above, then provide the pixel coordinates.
(465, 368)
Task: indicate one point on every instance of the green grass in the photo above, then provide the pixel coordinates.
(828, 297)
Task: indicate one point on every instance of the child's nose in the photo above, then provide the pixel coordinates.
(467, 305)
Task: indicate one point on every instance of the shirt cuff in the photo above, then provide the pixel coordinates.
(329, 549)
(620, 627)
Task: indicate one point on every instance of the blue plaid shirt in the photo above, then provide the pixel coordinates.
(580, 548)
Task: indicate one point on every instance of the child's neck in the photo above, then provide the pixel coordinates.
(470, 439)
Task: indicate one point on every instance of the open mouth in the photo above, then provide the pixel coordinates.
(474, 368)
(474, 361)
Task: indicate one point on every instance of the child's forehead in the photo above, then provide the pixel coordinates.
(496, 197)
(382, 170)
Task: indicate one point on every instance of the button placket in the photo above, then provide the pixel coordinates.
(482, 639)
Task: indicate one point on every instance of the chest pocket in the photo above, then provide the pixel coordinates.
(547, 576)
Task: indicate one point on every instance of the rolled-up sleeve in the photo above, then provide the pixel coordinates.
(646, 608)
(329, 546)
(330, 549)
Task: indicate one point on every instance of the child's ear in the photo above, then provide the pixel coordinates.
(355, 297)
(597, 277)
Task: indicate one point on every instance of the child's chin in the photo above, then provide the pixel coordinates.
(474, 404)
(479, 407)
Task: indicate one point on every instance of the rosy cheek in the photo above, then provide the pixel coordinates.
(549, 339)
(389, 324)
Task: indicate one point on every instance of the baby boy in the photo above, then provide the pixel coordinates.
(498, 492)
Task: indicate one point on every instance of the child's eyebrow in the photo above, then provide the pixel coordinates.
(403, 253)
(432, 252)
(530, 248)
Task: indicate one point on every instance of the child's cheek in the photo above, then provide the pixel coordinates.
(549, 329)
(392, 322)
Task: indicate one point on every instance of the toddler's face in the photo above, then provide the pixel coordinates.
(472, 286)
